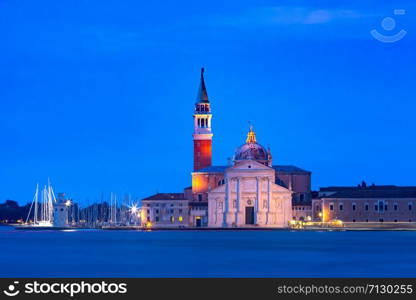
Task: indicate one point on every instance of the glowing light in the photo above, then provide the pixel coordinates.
(68, 203)
(251, 136)
(134, 209)
(180, 219)
(149, 224)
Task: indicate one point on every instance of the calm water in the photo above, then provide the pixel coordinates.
(206, 254)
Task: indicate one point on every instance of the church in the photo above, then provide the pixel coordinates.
(249, 192)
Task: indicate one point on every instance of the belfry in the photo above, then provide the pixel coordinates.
(202, 128)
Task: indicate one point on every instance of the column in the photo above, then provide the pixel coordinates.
(269, 197)
(226, 206)
(258, 199)
(238, 205)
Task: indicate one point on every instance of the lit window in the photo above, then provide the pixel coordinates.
(172, 219)
(180, 219)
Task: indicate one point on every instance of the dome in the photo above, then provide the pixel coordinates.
(251, 150)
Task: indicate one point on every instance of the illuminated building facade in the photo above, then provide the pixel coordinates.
(266, 191)
(362, 203)
(248, 195)
(165, 210)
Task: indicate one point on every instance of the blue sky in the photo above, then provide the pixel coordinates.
(99, 95)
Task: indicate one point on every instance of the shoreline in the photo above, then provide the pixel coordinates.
(135, 228)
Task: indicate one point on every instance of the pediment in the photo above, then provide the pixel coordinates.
(249, 165)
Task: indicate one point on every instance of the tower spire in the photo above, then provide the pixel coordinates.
(202, 91)
(202, 128)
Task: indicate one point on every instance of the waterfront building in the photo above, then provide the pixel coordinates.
(302, 212)
(373, 203)
(265, 192)
(61, 211)
(248, 194)
(165, 210)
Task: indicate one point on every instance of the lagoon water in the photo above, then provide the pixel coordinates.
(97, 253)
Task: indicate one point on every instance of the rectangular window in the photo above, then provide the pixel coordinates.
(331, 206)
(366, 207)
(157, 211)
(199, 197)
(341, 207)
(395, 207)
(376, 207)
(410, 206)
(353, 207)
(157, 219)
(385, 207)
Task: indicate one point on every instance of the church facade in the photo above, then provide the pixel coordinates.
(248, 192)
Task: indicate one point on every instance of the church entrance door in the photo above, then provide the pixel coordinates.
(249, 215)
(198, 222)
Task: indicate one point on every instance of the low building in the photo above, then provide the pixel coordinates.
(61, 211)
(302, 212)
(384, 203)
(165, 210)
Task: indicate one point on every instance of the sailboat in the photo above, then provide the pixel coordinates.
(46, 207)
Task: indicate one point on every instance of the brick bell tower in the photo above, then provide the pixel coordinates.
(202, 128)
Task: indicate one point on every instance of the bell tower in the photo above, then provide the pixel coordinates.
(202, 128)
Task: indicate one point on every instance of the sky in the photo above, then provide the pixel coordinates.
(99, 95)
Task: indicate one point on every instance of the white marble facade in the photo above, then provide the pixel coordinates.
(249, 198)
